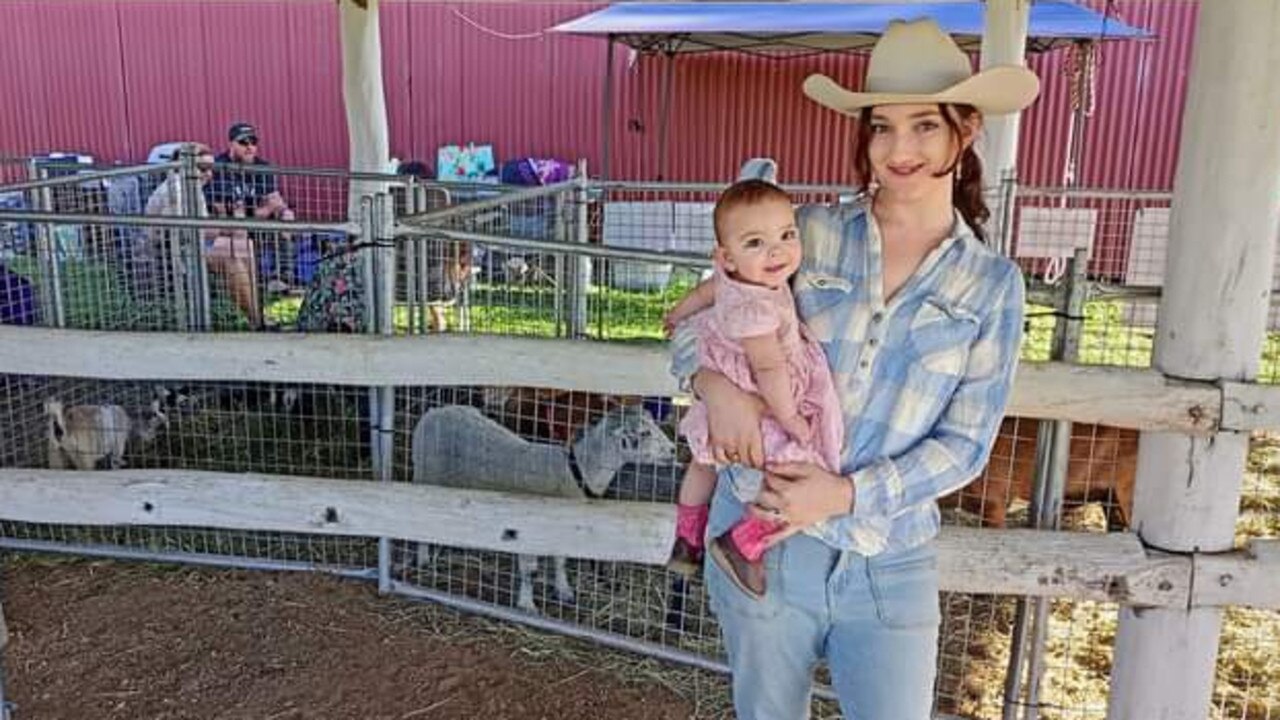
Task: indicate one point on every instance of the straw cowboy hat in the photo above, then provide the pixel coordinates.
(916, 62)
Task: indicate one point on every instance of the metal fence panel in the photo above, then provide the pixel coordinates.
(571, 261)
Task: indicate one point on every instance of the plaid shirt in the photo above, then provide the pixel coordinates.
(923, 379)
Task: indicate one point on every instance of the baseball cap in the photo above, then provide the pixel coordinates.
(240, 131)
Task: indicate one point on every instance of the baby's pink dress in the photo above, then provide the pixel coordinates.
(742, 310)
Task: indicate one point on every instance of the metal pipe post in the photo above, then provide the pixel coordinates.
(365, 259)
(1053, 448)
(563, 292)
(606, 133)
(581, 263)
(415, 301)
(664, 126)
(47, 255)
(384, 256)
(197, 290)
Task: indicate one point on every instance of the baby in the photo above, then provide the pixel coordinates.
(751, 334)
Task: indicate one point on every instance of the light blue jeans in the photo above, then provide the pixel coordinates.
(874, 619)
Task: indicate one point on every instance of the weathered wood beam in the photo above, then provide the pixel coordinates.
(339, 359)
(1109, 568)
(1249, 578)
(1124, 397)
(606, 530)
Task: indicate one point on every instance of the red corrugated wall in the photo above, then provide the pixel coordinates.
(114, 77)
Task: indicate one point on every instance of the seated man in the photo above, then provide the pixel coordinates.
(236, 185)
(228, 254)
(238, 190)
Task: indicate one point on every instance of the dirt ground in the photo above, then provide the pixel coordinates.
(106, 640)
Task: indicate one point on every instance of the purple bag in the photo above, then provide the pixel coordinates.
(536, 171)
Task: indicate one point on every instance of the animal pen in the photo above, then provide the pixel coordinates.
(298, 451)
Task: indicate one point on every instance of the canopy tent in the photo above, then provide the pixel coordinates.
(813, 27)
(799, 29)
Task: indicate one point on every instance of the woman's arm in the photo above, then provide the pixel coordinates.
(769, 369)
(733, 419)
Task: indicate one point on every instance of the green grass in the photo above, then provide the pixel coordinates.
(1105, 338)
(530, 310)
(96, 298)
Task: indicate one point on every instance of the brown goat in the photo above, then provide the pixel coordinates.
(1102, 463)
(552, 415)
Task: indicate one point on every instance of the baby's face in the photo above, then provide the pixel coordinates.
(760, 244)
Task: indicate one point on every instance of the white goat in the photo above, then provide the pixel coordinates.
(93, 437)
(457, 446)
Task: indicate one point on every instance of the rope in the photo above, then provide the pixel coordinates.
(494, 33)
(1055, 270)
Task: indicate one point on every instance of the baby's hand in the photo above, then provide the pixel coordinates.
(669, 321)
(797, 428)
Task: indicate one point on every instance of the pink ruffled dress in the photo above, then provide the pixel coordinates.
(742, 310)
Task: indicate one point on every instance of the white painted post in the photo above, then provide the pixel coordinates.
(1004, 42)
(365, 99)
(1222, 239)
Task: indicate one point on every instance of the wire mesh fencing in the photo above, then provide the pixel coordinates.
(578, 260)
(79, 423)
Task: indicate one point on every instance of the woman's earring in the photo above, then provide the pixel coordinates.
(874, 185)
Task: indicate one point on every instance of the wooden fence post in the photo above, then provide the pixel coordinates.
(1226, 208)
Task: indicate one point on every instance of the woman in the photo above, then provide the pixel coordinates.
(921, 322)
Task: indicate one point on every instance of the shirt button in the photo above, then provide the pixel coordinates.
(873, 342)
(864, 364)
(877, 317)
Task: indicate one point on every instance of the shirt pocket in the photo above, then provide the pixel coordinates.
(940, 338)
(818, 298)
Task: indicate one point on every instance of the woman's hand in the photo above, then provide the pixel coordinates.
(733, 420)
(799, 495)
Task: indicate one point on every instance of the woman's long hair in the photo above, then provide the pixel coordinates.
(967, 196)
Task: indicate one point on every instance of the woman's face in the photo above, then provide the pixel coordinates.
(911, 145)
(204, 165)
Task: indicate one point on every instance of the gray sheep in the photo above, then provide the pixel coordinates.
(457, 446)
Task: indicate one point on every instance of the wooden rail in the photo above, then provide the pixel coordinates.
(1104, 567)
(1124, 397)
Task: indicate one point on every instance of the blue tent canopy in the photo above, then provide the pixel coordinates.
(807, 27)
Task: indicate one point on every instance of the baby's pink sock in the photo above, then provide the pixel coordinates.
(691, 523)
(749, 534)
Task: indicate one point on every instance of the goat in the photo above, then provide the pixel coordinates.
(94, 437)
(457, 446)
(1102, 464)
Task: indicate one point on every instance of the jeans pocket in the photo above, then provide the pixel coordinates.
(905, 588)
(727, 598)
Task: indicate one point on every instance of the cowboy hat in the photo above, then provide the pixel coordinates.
(916, 62)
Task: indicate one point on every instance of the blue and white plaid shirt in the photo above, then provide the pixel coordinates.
(923, 379)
